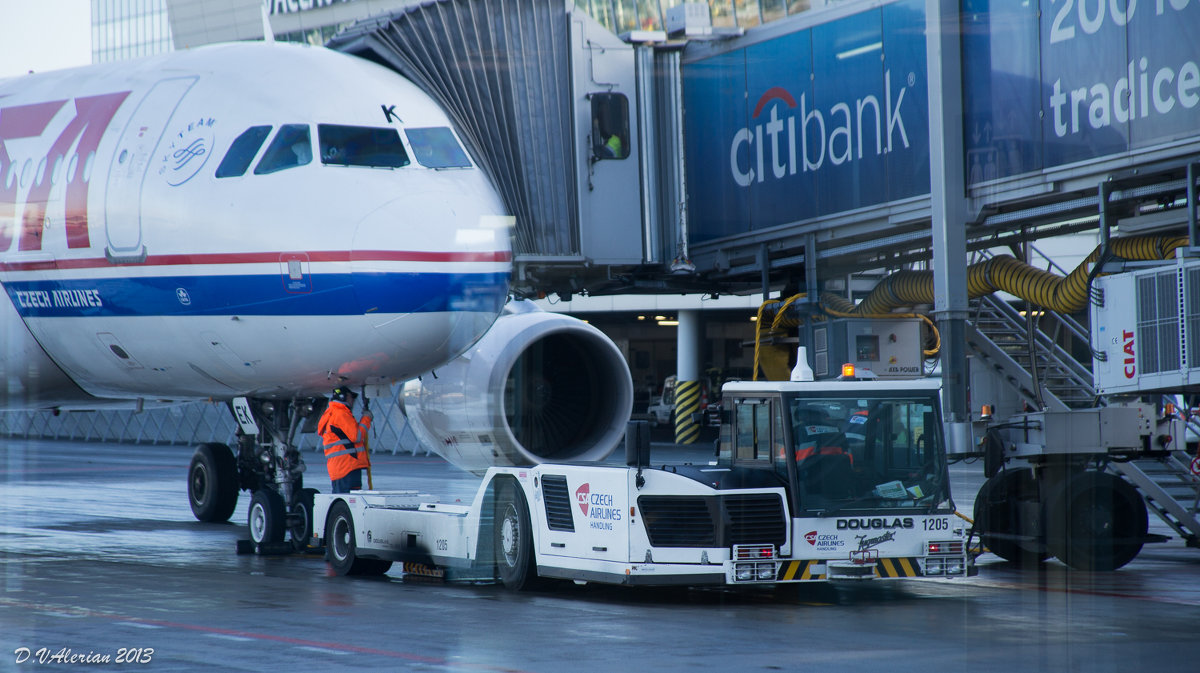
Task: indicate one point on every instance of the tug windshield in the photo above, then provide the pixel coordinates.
(859, 452)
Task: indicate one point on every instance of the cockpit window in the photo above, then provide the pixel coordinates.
(361, 146)
(291, 147)
(241, 152)
(436, 147)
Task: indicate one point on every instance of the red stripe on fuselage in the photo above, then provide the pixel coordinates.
(266, 258)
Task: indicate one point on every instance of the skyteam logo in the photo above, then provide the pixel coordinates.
(791, 136)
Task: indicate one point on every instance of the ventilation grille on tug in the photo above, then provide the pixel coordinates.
(755, 519)
(558, 503)
(723, 521)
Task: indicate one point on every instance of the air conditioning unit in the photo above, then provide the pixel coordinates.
(1146, 329)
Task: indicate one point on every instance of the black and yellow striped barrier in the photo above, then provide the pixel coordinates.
(898, 567)
(422, 570)
(799, 570)
(687, 402)
(885, 567)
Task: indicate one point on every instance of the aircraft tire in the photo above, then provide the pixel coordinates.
(212, 483)
(513, 538)
(341, 548)
(266, 518)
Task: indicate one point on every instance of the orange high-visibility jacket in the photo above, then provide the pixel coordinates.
(342, 438)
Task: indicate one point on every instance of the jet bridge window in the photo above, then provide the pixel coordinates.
(361, 146)
(436, 147)
(291, 147)
(610, 126)
(242, 151)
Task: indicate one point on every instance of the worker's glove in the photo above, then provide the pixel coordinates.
(368, 416)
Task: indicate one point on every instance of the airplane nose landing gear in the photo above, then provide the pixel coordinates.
(269, 466)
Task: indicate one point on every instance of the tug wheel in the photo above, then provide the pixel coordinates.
(342, 550)
(513, 538)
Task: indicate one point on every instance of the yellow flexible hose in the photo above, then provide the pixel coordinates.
(1065, 294)
(1002, 273)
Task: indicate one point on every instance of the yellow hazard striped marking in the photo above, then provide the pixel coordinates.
(799, 570)
(804, 570)
(423, 570)
(687, 402)
(899, 567)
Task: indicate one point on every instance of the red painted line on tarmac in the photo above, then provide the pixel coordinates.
(344, 647)
(69, 470)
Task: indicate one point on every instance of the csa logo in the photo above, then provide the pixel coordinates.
(582, 495)
(811, 537)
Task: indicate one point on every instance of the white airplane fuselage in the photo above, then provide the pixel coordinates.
(138, 262)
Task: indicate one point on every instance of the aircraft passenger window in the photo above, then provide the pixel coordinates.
(361, 146)
(241, 152)
(291, 147)
(610, 126)
(437, 147)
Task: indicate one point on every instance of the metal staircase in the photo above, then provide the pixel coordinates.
(1170, 490)
(1041, 370)
(1034, 363)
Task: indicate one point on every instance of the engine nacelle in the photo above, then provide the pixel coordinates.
(538, 387)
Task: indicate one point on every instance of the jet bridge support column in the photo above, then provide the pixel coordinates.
(949, 211)
(687, 369)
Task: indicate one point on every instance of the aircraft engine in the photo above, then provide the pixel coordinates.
(538, 387)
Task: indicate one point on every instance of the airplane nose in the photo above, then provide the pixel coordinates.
(434, 268)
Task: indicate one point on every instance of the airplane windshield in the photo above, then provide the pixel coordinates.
(241, 152)
(361, 146)
(291, 147)
(436, 147)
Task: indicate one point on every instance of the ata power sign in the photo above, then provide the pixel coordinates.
(1072, 80)
(818, 121)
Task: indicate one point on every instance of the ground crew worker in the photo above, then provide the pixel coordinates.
(343, 439)
(613, 146)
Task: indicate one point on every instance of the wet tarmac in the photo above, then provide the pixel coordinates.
(101, 558)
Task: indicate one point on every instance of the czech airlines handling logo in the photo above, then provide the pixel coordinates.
(600, 509)
(581, 497)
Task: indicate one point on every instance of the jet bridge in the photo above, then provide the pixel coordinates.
(806, 153)
(546, 100)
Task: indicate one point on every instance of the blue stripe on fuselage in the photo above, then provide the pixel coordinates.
(319, 294)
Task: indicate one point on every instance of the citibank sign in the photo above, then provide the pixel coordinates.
(795, 136)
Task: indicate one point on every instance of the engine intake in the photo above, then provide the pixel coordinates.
(538, 387)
